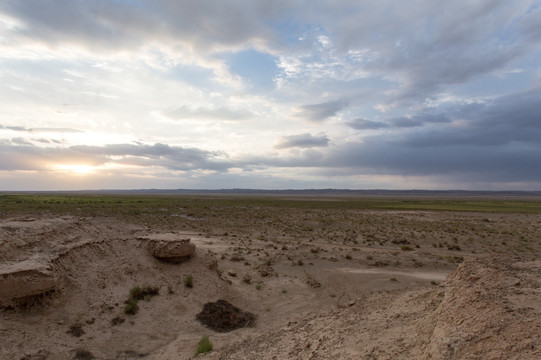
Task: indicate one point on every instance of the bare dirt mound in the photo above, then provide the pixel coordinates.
(487, 309)
(93, 278)
(221, 316)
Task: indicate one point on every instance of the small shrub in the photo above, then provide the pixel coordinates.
(203, 346)
(348, 256)
(258, 287)
(136, 293)
(131, 307)
(76, 330)
(151, 291)
(83, 354)
(188, 282)
(406, 248)
(284, 291)
(393, 279)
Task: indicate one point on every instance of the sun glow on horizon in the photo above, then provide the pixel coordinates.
(76, 169)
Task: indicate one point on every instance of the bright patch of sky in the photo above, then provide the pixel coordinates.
(256, 68)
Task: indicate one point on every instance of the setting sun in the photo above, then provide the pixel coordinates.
(77, 169)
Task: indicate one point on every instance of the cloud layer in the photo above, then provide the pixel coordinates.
(270, 94)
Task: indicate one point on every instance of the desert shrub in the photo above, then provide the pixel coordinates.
(83, 354)
(406, 248)
(135, 293)
(131, 307)
(188, 282)
(76, 330)
(258, 287)
(139, 293)
(203, 346)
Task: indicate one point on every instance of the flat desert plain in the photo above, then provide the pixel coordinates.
(321, 277)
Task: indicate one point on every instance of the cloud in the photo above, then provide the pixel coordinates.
(302, 141)
(213, 113)
(27, 157)
(505, 120)
(40, 130)
(20, 141)
(320, 112)
(170, 157)
(434, 52)
(113, 26)
(494, 142)
(363, 124)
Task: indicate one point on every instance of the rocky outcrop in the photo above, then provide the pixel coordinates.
(170, 248)
(23, 280)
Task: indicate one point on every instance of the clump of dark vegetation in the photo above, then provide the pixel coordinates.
(221, 316)
(203, 346)
(117, 321)
(188, 281)
(131, 307)
(83, 354)
(76, 330)
(144, 293)
(139, 293)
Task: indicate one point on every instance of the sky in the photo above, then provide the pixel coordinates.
(270, 94)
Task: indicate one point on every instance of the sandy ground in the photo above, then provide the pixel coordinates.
(314, 297)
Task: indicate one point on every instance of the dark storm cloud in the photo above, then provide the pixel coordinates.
(302, 141)
(320, 112)
(493, 164)
(497, 141)
(508, 119)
